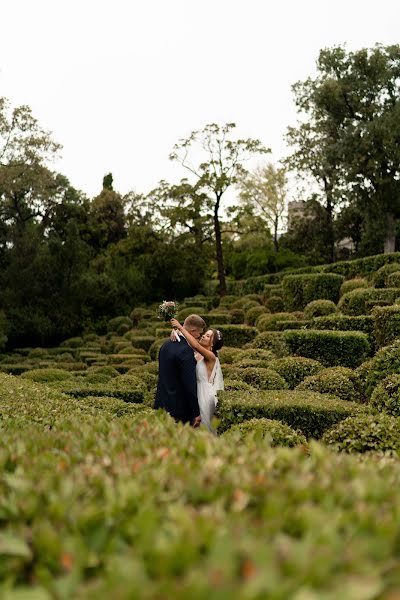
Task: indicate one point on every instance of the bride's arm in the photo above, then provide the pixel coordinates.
(208, 355)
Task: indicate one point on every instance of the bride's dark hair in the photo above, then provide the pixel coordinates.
(218, 341)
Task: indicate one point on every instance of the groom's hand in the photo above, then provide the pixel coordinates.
(196, 421)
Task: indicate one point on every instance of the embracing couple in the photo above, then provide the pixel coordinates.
(189, 373)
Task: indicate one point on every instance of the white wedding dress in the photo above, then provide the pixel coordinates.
(207, 391)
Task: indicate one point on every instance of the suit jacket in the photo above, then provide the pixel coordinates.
(177, 386)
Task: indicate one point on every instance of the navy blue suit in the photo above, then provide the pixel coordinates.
(177, 387)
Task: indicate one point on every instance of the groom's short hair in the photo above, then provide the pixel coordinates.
(194, 322)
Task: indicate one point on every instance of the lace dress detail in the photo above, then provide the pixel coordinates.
(207, 391)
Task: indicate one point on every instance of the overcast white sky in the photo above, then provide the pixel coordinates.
(118, 82)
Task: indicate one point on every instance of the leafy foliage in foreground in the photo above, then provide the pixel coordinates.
(95, 508)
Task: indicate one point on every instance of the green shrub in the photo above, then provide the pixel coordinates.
(38, 353)
(212, 319)
(253, 354)
(319, 308)
(228, 300)
(331, 348)
(276, 432)
(252, 314)
(379, 278)
(275, 304)
(245, 363)
(126, 392)
(359, 302)
(120, 324)
(295, 368)
(237, 335)
(310, 412)
(183, 313)
(300, 290)
(228, 354)
(234, 385)
(262, 378)
(386, 324)
(365, 433)
(338, 381)
(385, 362)
(47, 375)
(353, 284)
(245, 303)
(271, 290)
(143, 342)
(386, 396)
(237, 316)
(364, 323)
(155, 348)
(74, 342)
(268, 322)
(393, 280)
(271, 340)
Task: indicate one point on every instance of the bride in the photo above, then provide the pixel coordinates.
(208, 370)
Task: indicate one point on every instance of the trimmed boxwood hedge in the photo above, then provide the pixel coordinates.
(275, 304)
(234, 385)
(295, 368)
(47, 375)
(353, 284)
(271, 340)
(365, 433)
(276, 432)
(386, 324)
(361, 302)
(252, 314)
(237, 335)
(300, 290)
(380, 277)
(339, 381)
(364, 323)
(319, 308)
(386, 396)
(385, 362)
(262, 378)
(331, 348)
(310, 412)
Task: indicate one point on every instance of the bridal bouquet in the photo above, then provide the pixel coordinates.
(167, 310)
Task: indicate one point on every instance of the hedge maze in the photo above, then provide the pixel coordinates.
(100, 495)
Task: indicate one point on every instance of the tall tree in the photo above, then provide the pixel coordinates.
(216, 161)
(264, 190)
(353, 106)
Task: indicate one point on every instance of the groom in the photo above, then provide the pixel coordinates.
(177, 386)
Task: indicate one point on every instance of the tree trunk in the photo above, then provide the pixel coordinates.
(390, 240)
(218, 251)
(330, 236)
(276, 243)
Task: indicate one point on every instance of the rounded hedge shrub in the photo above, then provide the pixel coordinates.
(360, 302)
(385, 362)
(386, 396)
(120, 324)
(228, 300)
(275, 304)
(237, 316)
(386, 324)
(185, 312)
(245, 363)
(353, 284)
(263, 379)
(295, 368)
(254, 354)
(379, 278)
(339, 381)
(252, 314)
(74, 342)
(272, 289)
(276, 432)
(47, 375)
(271, 340)
(228, 354)
(268, 322)
(234, 385)
(319, 308)
(365, 433)
(393, 280)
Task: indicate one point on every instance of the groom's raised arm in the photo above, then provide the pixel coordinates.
(188, 377)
